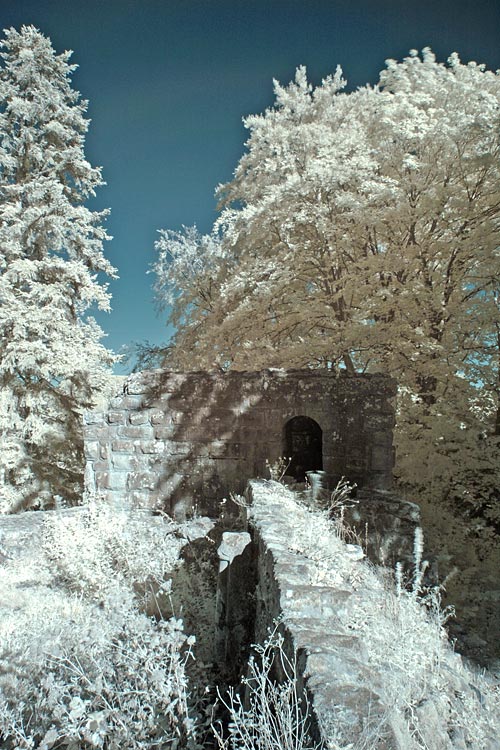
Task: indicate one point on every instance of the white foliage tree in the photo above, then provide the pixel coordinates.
(361, 232)
(52, 363)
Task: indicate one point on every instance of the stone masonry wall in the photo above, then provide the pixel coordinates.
(173, 440)
(333, 609)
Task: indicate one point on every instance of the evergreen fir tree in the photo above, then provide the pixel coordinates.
(52, 362)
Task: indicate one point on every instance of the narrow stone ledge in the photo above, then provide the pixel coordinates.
(317, 620)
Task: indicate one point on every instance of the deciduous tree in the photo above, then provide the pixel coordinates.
(361, 232)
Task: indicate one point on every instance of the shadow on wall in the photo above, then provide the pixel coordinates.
(173, 440)
(213, 434)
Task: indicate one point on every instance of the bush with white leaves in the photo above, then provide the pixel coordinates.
(83, 666)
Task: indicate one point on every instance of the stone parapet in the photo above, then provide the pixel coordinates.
(315, 621)
(376, 672)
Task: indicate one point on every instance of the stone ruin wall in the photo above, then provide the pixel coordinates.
(172, 440)
(347, 691)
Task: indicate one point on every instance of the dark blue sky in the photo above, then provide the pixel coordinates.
(169, 80)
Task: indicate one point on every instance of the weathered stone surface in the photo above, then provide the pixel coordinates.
(91, 449)
(95, 432)
(142, 481)
(123, 446)
(237, 421)
(388, 523)
(116, 417)
(233, 544)
(138, 418)
(157, 416)
(151, 446)
(93, 417)
(126, 462)
(141, 432)
(111, 480)
(127, 402)
(164, 431)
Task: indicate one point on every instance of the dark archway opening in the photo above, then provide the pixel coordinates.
(304, 444)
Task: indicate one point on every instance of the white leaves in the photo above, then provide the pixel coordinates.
(51, 244)
(77, 708)
(49, 739)
(362, 229)
(93, 669)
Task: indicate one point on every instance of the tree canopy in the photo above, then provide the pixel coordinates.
(361, 232)
(52, 362)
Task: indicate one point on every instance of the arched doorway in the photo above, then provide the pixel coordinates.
(304, 444)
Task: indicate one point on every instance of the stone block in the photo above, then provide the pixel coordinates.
(141, 432)
(128, 462)
(138, 417)
(122, 446)
(272, 418)
(151, 446)
(375, 422)
(91, 449)
(93, 418)
(381, 458)
(233, 450)
(164, 431)
(116, 417)
(173, 381)
(340, 667)
(217, 449)
(111, 480)
(313, 601)
(178, 447)
(139, 384)
(142, 480)
(382, 438)
(157, 416)
(227, 468)
(126, 402)
(200, 449)
(96, 432)
(100, 465)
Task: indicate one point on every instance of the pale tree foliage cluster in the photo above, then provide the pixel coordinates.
(52, 362)
(361, 233)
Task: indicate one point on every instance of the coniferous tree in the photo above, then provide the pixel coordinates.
(52, 363)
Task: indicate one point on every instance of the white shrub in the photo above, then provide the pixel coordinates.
(82, 665)
(272, 714)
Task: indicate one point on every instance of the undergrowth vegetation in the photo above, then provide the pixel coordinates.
(92, 656)
(84, 666)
